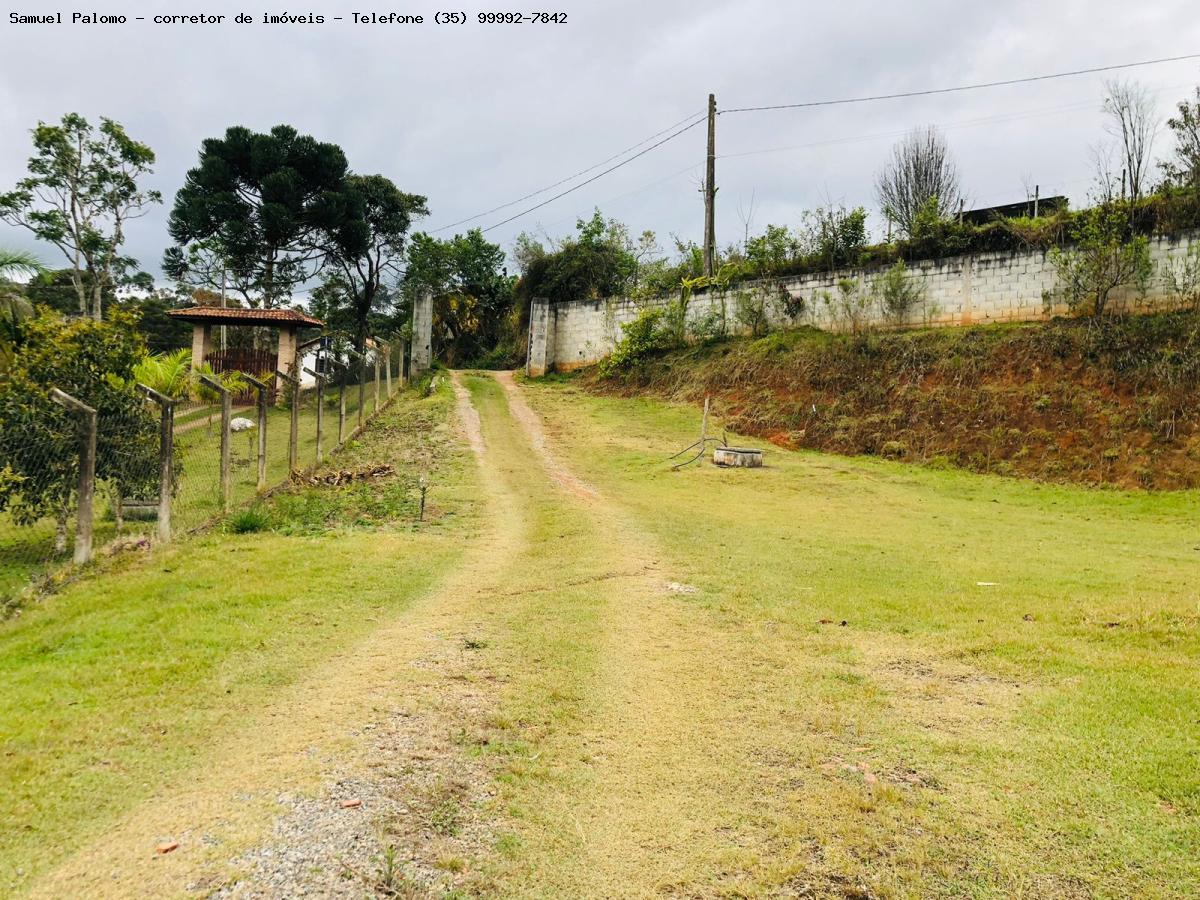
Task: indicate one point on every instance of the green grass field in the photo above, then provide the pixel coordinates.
(1014, 664)
(829, 677)
(124, 681)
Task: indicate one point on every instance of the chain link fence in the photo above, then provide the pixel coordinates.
(89, 482)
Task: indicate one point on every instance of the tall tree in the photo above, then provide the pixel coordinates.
(81, 191)
(1133, 124)
(920, 173)
(367, 245)
(472, 295)
(1183, 168)
(261, 203)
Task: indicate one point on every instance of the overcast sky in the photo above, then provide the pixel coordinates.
(474, 116)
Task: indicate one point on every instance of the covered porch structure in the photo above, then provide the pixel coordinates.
(287, 322)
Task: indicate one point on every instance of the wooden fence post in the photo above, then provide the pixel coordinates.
(320, 409)
(87, 472)
(362, 384)
(262, 389)
(294, 427)
(166, 458)
(226, 415)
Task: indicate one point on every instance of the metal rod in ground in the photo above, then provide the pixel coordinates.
(226, 415)
(320, 410)
(261, 387)
(166, 459)
(86, 492)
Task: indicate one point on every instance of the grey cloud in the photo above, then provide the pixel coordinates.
(474, 116)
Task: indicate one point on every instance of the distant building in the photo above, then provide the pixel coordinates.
(1046, 206)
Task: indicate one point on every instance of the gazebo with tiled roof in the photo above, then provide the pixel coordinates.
(286, 321)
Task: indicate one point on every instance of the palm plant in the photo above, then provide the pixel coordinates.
(168, 373)
(14, 263)
(173, 374)
(14, 308)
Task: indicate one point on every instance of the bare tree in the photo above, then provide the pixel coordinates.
(1133, 124)
(746, 214)
(1108, 174)
(920, 171)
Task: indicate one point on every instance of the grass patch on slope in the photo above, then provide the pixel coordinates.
(1115, 401)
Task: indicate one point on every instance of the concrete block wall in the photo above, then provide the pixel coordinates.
(965, 290)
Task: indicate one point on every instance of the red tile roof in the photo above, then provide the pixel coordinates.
(245, 316)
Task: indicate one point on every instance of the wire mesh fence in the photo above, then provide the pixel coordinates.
(164, 466)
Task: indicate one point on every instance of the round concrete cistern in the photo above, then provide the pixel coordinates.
(746, 457)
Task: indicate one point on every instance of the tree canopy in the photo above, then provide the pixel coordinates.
(81, 191)
(472, 294)
(367, 247)
(264, 204)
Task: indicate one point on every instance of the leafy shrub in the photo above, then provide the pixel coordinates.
(1105, 256)
(709, 327)
(1182, 277)
(751, 312)
(646, 334)
(898, 293)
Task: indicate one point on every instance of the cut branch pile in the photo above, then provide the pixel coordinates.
(343, 476)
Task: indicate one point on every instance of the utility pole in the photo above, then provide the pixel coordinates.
(710, 191)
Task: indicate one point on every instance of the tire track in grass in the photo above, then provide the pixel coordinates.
(665, 796)
(393, 702)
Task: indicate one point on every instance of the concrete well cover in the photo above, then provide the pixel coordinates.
(746, 457)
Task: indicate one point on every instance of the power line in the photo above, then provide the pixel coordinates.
(568, 178)
(964, 87)
(693, 121)
(623, 162)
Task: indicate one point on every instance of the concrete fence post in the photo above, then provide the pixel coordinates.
(540, 357)
(262, 390)
(375, 356)
(320, 379)
(387, 368)
(362, 384)
(226, 415)
(422, 336)
(166, 458)
(86, 491)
